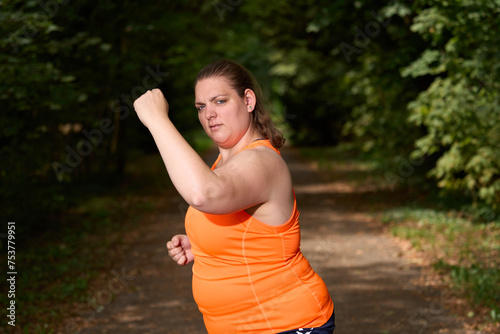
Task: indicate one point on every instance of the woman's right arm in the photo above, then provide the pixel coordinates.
(246, 180)
(188, 172)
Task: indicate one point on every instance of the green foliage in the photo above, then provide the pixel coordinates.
(460, 109)
(461, 127)
(379, 93)
(308, 63)
(425, 86)
(480, 283)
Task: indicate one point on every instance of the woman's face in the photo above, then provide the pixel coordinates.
(224, 115)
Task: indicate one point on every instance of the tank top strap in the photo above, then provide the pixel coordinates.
(260, 142)
(254, 144)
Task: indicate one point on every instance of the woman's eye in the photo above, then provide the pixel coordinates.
(199, 108)
(221, 101)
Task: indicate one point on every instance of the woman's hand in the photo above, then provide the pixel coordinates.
(179, 249)
(151, 107)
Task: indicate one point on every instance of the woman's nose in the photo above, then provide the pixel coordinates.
(210, 112)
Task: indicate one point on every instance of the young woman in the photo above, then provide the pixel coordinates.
(249, 275)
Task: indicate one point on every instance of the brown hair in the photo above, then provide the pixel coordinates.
(241, 79)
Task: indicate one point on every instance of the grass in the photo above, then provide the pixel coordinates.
(466, 253)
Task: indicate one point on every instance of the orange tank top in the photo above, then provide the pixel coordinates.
(251, 277)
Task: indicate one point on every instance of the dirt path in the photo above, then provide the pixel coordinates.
(374, 287)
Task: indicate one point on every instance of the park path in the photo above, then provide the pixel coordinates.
(374, 285)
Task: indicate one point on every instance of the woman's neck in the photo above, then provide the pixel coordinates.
(250, 136)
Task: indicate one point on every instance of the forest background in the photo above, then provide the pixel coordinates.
(412, 85)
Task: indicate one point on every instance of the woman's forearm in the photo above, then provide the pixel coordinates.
(186, 169)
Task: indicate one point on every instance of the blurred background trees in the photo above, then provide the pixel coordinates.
(412, 79)
(412, 85)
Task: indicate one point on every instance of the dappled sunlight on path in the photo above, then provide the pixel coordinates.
(374, 288)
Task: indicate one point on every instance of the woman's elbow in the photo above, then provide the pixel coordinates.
(198, 201)
(206, 198)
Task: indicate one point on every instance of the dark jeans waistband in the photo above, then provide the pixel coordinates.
(327, 328)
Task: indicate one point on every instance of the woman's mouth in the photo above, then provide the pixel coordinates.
(215, 127)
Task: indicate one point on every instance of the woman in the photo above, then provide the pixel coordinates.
(242, 227)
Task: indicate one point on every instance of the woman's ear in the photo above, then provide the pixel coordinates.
(250, 99)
